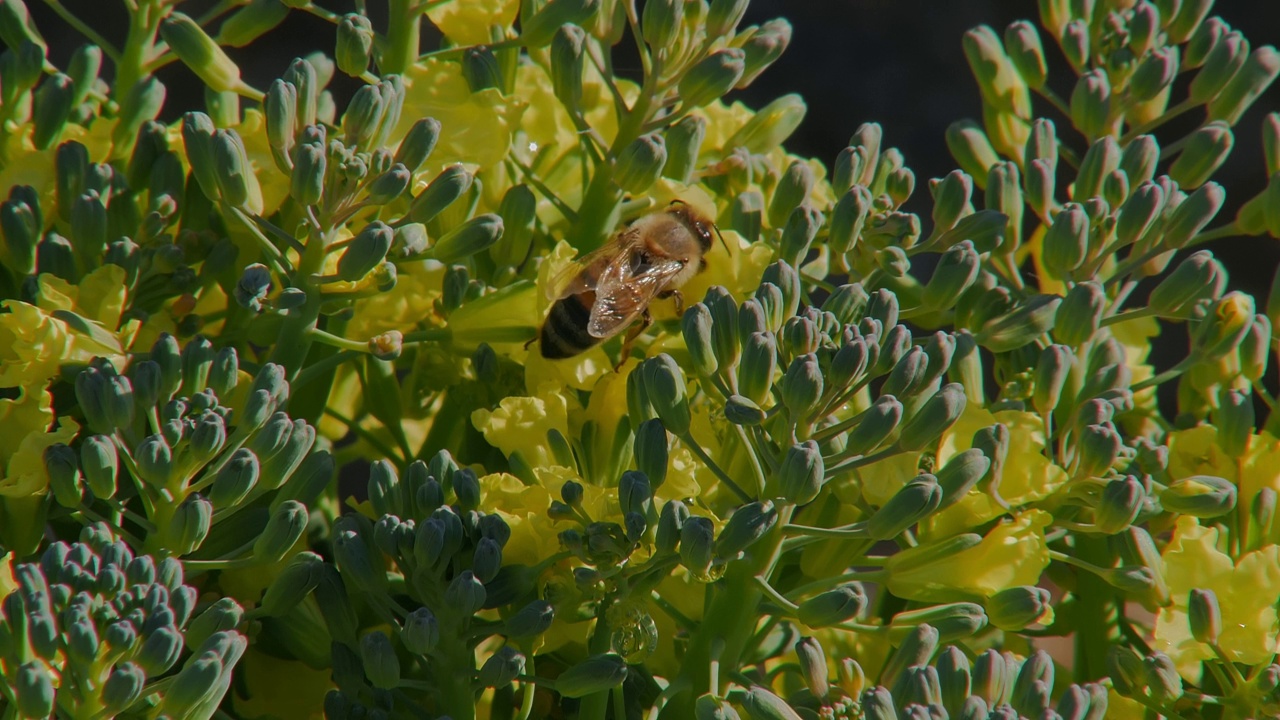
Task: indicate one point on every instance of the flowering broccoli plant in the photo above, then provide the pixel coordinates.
(283, 436)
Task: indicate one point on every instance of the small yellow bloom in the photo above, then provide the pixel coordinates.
(27, 420)
(100, 296)
(1248, 589)
(34, 344)
(468, 23)
(521, 424)
(1195, 451)
(1012, 553)
(476, 127)
(410, 302)
(524, 508)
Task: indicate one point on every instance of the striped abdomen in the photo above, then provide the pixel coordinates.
(564, 334)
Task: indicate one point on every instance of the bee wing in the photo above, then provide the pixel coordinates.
(575, 279)
(622, 294)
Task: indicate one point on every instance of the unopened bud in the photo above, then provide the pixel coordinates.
(833, 607)
(712, 77)
(199, 52)
(1091, 104)
(918, 499)
(1202, 496)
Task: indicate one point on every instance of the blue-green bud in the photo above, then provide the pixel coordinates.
(1074, 40)
(1202, 496)
(159, 651)
(1257, 74)
(99, 463)
(531, 620)
(89, 224)
(567, 64)
(833, 607)
(697, 536)
(918, 499)
(190, 525)
(992, 677)
(465, 594)
(1066, 243)
(747, 525)
(1204, 616)
(801, 386)
(208, 437)
(800, 476)
(893, 261)
(761, 704)
(1033, 684)
(518, 210)
(1091, 104)
(877, 704)
(306, 184)
(696, 326)
(956, 271)
(1124, 667)
(293, 584)
(418, 143)
(595, 674)
(1139, 212)
(1254, 349)
(1185, 18)
(381, 665)
(971, 148)
(355, 44)
(225, 614)
(1162, 679)
(1098, 446)
(684, 142)
(1235, 422)
(1026, 323)
(122, 687)
(746, 216)
(709, 707)
(1051, 374)
(55, 256)
(1102, 158)
(660, 24)
(33, 691)
(908, 376)
(64, 475)
(847, 219)
(635, 493)
(961, 474)
(650, 451)
(1015, 608)
(356, 561)
(366, 251)
(1154, 73)
(877, 424)
(539, 29)
(1204, 152)
(846, 303)
(1223, 61)
(232, 171)
(713, 76)
(759, 362)
(502, 668)
(452, 183)
(934, 417)
(1193, 214)
(1022, 42)
(251, 22)
(670, 522)
(1204, 39)
(640, 163)
(480, 68)
(140, 105)
(664, 385)
(467, 239)
(724, 326)
(762, 48)
(389, 185)
(52, 109)
(791, 191)
(1080, 314)
(421, 631)
(800, 335)
(287, 524)
(813, 666)
(1121, 501)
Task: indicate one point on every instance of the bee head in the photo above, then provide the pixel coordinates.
(699, 225)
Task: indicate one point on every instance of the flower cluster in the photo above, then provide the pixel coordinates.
(277, 366)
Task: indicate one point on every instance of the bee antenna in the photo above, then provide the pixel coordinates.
(722, 241)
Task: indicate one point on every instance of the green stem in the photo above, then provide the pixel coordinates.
(139, 48)
(404, 25)
(86, 30)
(696, 449)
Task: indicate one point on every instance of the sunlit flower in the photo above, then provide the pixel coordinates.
(476, 127)
(1195, 451)
(1247, 589)
(520, 424)
(468, 23)
(34, 344)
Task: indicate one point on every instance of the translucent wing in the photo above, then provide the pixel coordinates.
(583, 273)
(625, 289)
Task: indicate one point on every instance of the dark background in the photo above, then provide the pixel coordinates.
(853, 61)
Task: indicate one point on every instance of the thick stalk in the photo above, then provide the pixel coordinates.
(138, 47)
(403, 30)
(456, 697)
(728, 623)
(1097, 601)
(295, 330)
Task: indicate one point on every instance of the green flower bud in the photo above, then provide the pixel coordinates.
(366, 251)
(1255, 348)
(1162, 679)
(916, 649)
(418, 143)
(1221, 64)
(791, 191)
(1091, 104)
(225, 614)
(1029, 321)
(908, 376)
(893, 261)
(480, 68)
(531, 620)
(724, 326)
(670, 524)
(971, 148)
(800, 476)
(1190, 217)
(709, 707)
(421, 631)
(723, 17)
(1119, 505)
(936, 415)
(389, 185)
(696, 544)
(21, 231)
(801, 386)
(1235, 421)
(502, 668)
(52, 108)
(567, 64)
(141, 105)
(961, 474)
(64, 475)
(1080, 314)
(593, 675)
(1204, 39)
(232, 171)
(1051, 374)
(381, 665)
(293, 584)
(99, 463)
(465, 594)
(1205, 151)
(1204, 616)
(1026, 53)
(956, 271)
(664, 387)
(1139, 212)
(696, 326)
(1102, 159)
(1015, 608)
(1124, 667)
(640, 163)
(1004, 195)
(1201, 496)
(877, 424)
(833, 607)
(1154, 74)
(759, 362)
(89, 225)
(918, 499)
(650, 448)
(712, 77)
(747, 525)
(761, 704)
(1038, 184)
(746, 217)
(17, 27)
(813, 666)
(306, 185)
(1066, 243)
(741, 411)
(467, 239)
(285, 527)
(33, 691)
(952, 198)
(660, 24)
(848, 218)
(1257, 74)
(770, 126)
(199, 52)
(159, 651)
(355, 44)
(763, 47)
(123, 687)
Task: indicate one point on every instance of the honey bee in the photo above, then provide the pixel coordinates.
(612, 286)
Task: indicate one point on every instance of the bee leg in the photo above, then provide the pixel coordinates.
(645, 321)
(679, 299)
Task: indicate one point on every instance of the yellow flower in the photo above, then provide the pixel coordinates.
(7, 582)
(1195, 451)
(410, 302)
(27, 420)
(34, 344)
(99, 297)
(1028, 475)
(521, 424)
(279, 689)
(524, 508)
(475, 127)
(468, 23)
(1247, 589)
(37, 168)
(1012, 553)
